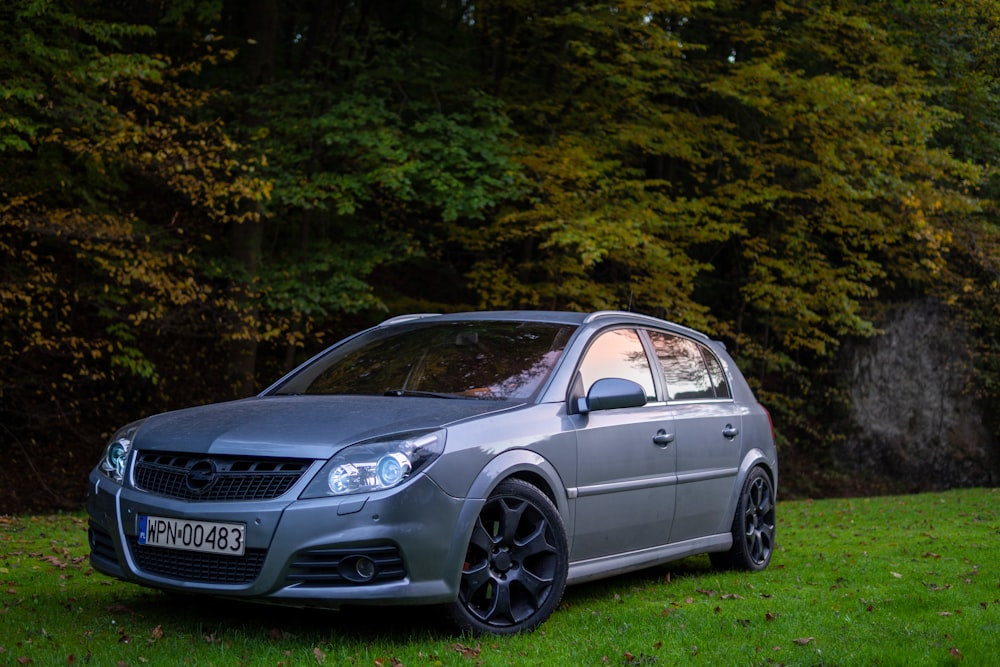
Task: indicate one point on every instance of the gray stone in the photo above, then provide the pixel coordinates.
(913, 412)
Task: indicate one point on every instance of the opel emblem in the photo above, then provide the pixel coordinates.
(201, 475)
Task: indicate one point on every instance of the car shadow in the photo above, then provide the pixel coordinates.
(213, 618)
(210, 618)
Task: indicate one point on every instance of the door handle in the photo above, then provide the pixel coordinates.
(662, 438)
(730, 431)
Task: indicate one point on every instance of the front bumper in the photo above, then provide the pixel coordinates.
(297, 551)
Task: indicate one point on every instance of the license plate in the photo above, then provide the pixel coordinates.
(206, 536)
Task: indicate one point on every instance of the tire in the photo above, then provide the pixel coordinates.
(515, 564)
(753, 526)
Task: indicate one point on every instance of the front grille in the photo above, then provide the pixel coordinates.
(337, 567)
(196, 566)
(213, 478)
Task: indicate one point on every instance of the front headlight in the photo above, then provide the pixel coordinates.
(112, 463)
(376, 465)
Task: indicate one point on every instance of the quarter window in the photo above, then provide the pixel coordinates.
(717, 375)
(618, 354)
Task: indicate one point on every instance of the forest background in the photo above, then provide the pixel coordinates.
(195, 195)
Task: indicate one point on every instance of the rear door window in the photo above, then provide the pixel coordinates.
(685, 368)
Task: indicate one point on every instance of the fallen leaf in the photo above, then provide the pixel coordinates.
(156, 633)
(955, 653)
(802, 641)
(320, 656)
(897, 575)
(55, 562)
(732, 596)
(24, 660)
(466, 651)
(768, 616)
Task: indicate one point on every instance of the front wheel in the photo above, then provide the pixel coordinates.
(753, 526)
(515, 565)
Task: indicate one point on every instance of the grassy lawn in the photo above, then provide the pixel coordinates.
(904, 580)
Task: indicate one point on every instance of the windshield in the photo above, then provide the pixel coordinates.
(498, 360)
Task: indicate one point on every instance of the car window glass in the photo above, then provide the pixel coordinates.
(488, 360)
(683, 366)
(618, 354)
(716, 374)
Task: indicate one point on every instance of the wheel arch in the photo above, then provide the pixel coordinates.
(527, 466)
(755, 458)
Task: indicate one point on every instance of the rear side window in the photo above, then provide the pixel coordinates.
(690, 369)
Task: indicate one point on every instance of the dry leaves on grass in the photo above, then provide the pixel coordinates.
(466, 651)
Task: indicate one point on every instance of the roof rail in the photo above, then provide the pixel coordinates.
(600, 314)
(406, 318)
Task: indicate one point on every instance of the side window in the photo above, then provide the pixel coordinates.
(683, 366)
(618, 354)
(717, 375)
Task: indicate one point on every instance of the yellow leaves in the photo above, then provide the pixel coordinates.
(935, 241)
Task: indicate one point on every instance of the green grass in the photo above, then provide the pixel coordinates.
(907, 580)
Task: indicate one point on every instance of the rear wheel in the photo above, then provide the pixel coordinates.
(753, 526)
(515, 565)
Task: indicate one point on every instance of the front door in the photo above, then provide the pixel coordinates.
(626, 477)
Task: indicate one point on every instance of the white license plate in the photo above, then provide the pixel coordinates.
(206, 536)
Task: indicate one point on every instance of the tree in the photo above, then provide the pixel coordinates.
(110, 182)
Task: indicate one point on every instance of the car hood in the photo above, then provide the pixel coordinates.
(300, 426)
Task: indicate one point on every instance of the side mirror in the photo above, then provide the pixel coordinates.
(611, 393)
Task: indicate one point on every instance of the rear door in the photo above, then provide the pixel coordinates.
(708, 425)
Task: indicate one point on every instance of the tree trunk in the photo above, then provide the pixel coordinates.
(246, 238)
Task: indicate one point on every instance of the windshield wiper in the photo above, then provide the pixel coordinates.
(422, 394)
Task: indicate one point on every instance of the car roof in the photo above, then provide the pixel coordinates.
(552, 316)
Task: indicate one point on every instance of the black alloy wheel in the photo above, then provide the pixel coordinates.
(515, 565)
(753, 526)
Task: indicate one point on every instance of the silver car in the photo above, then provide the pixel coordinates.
(482, 461)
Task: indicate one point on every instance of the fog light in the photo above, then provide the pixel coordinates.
(365, 568)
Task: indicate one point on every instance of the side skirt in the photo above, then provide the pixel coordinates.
(609, 566)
